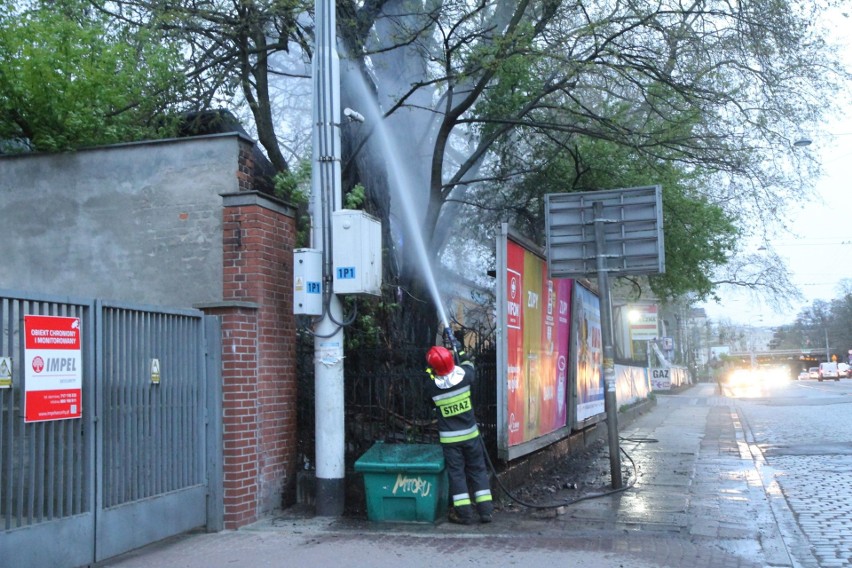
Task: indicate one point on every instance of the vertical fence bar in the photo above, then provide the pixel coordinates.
(147, 394)
(85, 456)
(189, 381)
(23, 437)
(158, 401)
(177, 401)
(170, 401)
(5, 412)
(169, 463)
(108, 400)
(180, 398)
(136, 408)
(51, 468)
(122, 475)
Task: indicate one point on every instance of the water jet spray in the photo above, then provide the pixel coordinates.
(402, 184)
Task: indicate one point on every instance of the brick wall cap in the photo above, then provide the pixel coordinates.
(120, 145)
(249, 198)
(227, 304)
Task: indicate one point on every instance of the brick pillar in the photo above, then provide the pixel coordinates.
(258, 356)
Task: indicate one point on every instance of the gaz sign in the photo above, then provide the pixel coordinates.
(53, 369)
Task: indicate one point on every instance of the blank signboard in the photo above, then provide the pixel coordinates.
(633, 232)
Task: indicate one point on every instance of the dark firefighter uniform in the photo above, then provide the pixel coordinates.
(459, 435)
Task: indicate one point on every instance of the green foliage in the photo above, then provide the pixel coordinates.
(69, 78)
(371, 327)
(514, 83)
(294, 186)
(699, 237)
(356, 197)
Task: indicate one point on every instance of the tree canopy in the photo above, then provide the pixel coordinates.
(71, 78)
(493, 103)
(822, 325)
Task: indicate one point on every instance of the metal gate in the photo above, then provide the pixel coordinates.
(138, 465)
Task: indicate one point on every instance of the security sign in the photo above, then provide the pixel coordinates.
(53, 368)
(5, 372)
(155, 371)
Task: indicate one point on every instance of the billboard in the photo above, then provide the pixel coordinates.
(632, 232)
(535, 312)
(588, 361)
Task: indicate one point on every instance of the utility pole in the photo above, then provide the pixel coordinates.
(610, 401)
(326, 197)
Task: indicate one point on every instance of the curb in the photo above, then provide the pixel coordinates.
(786, 530)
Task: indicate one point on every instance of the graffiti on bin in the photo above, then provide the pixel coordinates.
(414, 485)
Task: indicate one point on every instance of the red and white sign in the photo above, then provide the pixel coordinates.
(53, 368)
(643, 323)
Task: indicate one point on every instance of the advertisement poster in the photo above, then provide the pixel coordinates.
(537, 326)
(589, 350)
(53, 368)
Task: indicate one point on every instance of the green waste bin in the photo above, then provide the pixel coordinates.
(404, 482)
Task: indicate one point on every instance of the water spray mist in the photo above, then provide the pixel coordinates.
(403, 186)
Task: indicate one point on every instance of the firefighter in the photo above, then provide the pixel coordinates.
(450, 390)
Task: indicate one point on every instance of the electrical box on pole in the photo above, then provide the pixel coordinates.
(307, 282)
(356, 253)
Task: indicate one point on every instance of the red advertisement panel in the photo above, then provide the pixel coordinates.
(537, 346)
(53, 368)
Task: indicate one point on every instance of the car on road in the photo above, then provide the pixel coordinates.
(828, 371)
(803, 375)
(844, 370)
(813, 373)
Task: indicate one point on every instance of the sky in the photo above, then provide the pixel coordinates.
(819, 254)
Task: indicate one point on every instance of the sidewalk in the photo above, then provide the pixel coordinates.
(698, 501)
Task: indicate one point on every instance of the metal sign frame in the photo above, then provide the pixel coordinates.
(633, 232)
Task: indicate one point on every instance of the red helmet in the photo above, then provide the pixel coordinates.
(441, 360)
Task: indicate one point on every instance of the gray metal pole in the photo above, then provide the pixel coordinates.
(326, 197)
(610, 402)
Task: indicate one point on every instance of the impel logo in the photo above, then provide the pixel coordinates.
(38, 364)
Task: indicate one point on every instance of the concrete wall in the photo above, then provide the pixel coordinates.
(136, 222)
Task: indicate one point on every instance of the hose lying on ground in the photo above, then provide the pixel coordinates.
(567, 502)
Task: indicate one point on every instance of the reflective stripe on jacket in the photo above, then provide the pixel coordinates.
(456, 420)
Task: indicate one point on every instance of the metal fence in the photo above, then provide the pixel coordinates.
(385, 399)
(153, 441)
(135, 467)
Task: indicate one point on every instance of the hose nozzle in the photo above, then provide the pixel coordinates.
(451, 343)
(449, 340)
